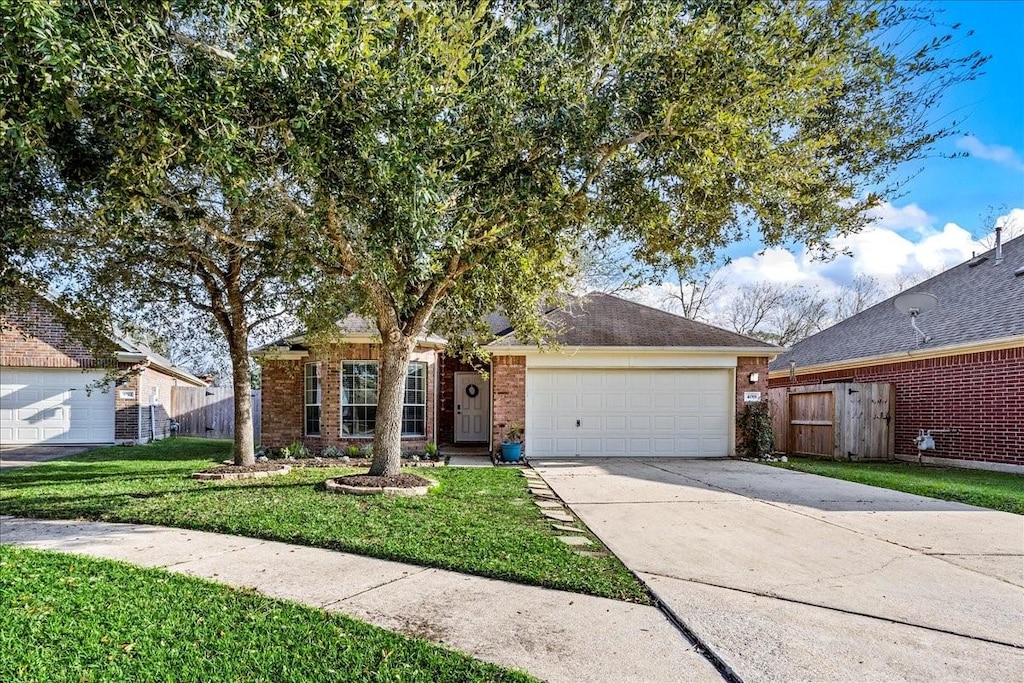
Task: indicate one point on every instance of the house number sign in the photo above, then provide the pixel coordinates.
(472, 390)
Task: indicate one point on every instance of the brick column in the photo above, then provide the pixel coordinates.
(508, 382)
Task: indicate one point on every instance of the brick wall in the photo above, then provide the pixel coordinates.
(126, 410)
(508, 386)
(283, 417)
(745, 365)
(32, 336)
(979, 394)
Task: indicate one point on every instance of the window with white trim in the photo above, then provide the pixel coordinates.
(359, 399)
(312, 394)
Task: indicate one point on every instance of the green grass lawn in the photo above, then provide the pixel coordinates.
(996, 490)
(478, 521)
(69, 618)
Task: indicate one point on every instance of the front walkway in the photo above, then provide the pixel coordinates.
(554, 635)
(794, 577)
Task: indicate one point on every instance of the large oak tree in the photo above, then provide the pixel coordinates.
(440, 160)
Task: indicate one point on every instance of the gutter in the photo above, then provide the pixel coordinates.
(997, 344)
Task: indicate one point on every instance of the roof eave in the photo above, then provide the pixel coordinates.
(520, 350)
(909, 354)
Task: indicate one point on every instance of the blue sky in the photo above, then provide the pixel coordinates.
(948, 203)
(992, 113)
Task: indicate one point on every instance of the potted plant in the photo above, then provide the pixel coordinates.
(512, 446)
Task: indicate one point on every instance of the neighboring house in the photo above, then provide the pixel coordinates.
(56, 390)
(628, 380)
(969, 375)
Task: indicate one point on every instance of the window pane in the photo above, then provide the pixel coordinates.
(414, 421)
(312, 420)
(416, 384)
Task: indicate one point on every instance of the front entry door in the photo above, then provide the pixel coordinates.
(472, 407)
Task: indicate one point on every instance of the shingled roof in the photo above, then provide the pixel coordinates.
(978, 300)
(599, 319)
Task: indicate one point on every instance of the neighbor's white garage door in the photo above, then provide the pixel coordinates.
(52, 406)
(681, 413)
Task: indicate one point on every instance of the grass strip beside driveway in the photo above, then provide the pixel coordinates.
(478, 521)
(72, 618)
(995, 490)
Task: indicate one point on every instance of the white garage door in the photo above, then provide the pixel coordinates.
(683, 413)
(52, 406)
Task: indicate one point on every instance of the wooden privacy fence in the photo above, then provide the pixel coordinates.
(210, 411)
(843, 421)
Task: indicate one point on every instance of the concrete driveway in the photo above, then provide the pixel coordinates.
(788, 576)
(23, 456)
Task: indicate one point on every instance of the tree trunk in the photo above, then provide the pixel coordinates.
(244, 447)
(387, 439)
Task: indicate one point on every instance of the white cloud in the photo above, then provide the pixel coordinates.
(1000, 154)
(878, 251)
(900, 217)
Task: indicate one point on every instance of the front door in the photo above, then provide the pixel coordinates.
(472, 407)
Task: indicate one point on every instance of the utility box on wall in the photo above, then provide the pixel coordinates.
(843, 421)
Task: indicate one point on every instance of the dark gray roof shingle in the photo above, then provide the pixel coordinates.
(974, 304)
(604, 320)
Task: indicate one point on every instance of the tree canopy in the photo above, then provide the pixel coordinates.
(425, 163)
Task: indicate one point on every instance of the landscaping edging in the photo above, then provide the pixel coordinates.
(334, 487)
(230, 476)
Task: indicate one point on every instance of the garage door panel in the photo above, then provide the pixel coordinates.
(48, 405)
(624, 412)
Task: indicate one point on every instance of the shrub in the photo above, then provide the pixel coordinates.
(296, 450)
(352, 451)
(430, 450)
(756, 429)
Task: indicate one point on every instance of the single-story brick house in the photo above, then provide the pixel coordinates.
(628, 380)
(968, 376)
(55, 390)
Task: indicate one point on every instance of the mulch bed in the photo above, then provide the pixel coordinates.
(352, 462)
(403, 481)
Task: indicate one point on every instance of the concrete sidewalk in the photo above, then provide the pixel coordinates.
(554, 635)
(794, 577)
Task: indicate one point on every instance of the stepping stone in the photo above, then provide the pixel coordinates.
(575, 540)
(570, 529)
(558, 516)
(547, 493)
(551, 504)
(593, 553)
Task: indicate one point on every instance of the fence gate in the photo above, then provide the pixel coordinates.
(210, 411)
(845, 421)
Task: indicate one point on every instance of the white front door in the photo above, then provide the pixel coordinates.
(615, 412)
(472, 407)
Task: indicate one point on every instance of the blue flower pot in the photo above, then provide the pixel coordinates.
(511, 452)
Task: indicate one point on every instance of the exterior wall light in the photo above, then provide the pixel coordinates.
(754, 377)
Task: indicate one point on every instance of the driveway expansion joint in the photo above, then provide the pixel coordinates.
(773, 596)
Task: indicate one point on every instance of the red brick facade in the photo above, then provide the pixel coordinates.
(508, 388)
(283, 398)
(34, 336)
(745, 366)
(978, 394)
(283, 402)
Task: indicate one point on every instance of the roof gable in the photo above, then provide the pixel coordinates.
(976, 303)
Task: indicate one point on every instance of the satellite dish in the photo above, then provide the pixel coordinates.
(916, 303)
